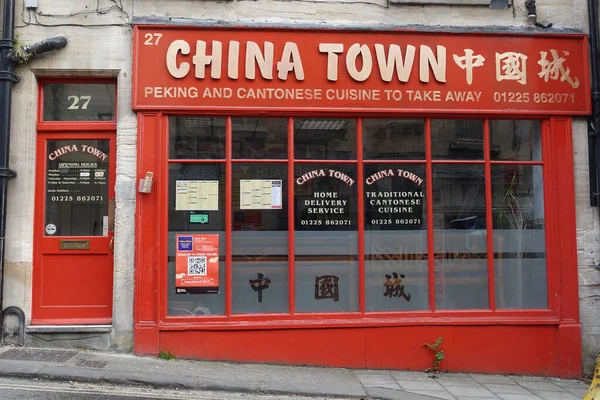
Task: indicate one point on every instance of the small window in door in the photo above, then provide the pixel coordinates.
(79, 102)
(77, 174)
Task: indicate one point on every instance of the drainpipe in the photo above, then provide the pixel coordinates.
(7, 78)
(594, 120)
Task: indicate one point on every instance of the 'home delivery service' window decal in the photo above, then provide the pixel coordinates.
(319, 70)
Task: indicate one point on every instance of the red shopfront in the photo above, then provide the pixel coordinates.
(339, 198)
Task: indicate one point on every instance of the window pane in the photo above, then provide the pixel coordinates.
(77, 187)
(460, 246)
(396, 263)
(79, 101)
(459, 139)
(519, 236)
(260, 238)
(325, 139)
(259, 137)
(196, 137)
(196, 204)
(326, 238)
(515, 140)
(394, 139)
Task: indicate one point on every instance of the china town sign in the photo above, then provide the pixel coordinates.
(367, 71)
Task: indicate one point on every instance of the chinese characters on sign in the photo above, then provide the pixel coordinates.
(395, 288)
(371, 71)
(326, 287)
(260, 284)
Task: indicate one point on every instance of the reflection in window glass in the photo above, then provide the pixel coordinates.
(394, 139)
(196, 204)
(196, 138)
(264, 138)
(396, 263)
(326, 224)
(325, 139)
(459, 139)
(519, 236)
(260, 238)
(77, 173)
(460, 247)
(515, 140)
(79, 102)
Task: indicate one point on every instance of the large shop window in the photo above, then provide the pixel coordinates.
(327, 215)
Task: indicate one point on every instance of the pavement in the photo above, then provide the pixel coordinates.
(98, 367)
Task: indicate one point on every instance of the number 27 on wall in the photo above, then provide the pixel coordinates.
(79, 102)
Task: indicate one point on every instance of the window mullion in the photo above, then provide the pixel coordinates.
(429, 194)
(361, 216)
(228, 219)
(488, 215)
(291, 220)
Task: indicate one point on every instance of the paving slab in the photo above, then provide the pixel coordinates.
(507, 389)
(419, 384)
(542, 385)
(499, 379)
(386, 394)
(556, 395)
(464, 391)
(438, 394)
(457, 380)
(518, 396)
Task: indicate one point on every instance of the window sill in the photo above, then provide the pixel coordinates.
(443, 2)
(321, 321)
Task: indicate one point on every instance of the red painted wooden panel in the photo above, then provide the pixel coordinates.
(488, 349)
(147, 212)
(165, 76)
(70, 286)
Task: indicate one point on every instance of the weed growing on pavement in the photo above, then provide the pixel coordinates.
(166, 355)
(438, 354)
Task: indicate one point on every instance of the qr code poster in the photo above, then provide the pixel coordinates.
(197, 263)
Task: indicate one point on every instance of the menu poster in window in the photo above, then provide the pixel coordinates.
(394, 197)
(197, 195)
(260, 194)
(76, 179)
(331, 203)
(197, 263)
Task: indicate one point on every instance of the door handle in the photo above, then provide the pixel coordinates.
(111, 245)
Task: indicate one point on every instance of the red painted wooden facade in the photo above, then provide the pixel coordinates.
(71, 286)
(532, 341)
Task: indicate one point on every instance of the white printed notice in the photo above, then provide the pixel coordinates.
(197, 195)
(260, 194)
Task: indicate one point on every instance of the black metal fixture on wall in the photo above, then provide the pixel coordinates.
(7, 79)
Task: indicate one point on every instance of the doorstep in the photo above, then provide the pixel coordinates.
(68, 328)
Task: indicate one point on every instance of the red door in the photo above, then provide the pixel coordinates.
(73, 238)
